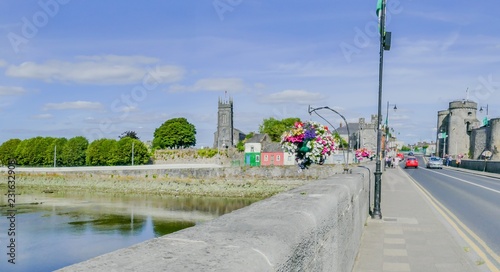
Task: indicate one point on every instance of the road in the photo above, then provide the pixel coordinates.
(474, 199)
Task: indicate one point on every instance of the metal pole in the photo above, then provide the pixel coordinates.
(386, 133)
(132, 152)
(55, 156)
(378, 174)
(444, 144)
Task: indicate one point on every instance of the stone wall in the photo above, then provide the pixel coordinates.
(495, 138)
(479, 140)
(316, 227)
(190, 155)
(480, 165)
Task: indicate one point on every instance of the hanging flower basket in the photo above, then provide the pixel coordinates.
(363, 153)
(311, 142)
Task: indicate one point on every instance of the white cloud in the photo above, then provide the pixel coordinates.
(130, 60)
(177, 88)
(450, 40)
(75, 105)
(3, 63)
(211, 85)
(128, 109)
(293, 96)
(101, 70)
(219, 84)
(11, 90)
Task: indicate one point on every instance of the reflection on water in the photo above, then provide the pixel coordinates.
(60, 229)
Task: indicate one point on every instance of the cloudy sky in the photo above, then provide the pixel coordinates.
(98, 68)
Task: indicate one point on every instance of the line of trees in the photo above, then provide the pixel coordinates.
(40, 151)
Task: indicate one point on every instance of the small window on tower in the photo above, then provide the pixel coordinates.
(469, 113)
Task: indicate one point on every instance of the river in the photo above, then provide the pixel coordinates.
(54, 230)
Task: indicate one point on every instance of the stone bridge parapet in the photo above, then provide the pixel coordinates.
(316, 227)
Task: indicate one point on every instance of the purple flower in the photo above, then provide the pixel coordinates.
(310, 134)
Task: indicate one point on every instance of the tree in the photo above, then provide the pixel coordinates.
(102, 152)
(405, 148)
(21, 152)
(340, 141)
(175, 133)
(130, 134)
(32, 152)
(241, 144)
(57, 145)
(74, 151)
(275, 128)
(123, 152)
(8, 151)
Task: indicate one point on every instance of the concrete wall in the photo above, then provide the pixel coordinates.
(316, 227)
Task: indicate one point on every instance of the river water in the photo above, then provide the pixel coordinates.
(54, 230)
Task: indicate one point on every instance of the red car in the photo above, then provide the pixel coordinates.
(411, 162)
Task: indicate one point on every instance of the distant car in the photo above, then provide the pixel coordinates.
(410, 153)
(435, 162)
(411, 162)
(401, 156)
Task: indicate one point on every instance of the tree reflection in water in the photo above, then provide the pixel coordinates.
(61, 229)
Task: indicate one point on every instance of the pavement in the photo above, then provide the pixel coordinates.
(414, 233)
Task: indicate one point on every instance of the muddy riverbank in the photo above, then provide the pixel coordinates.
(253, 182)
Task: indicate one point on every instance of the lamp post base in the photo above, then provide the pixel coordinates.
(377, 214)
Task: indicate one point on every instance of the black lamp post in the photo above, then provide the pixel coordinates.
(385, 44)
(481, 109)
(485, 120)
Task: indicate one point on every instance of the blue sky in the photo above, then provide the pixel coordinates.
(99, 68)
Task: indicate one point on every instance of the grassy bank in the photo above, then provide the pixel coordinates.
(152, 184)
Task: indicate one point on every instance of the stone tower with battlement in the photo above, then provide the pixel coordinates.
(457, 122)
(224, 135)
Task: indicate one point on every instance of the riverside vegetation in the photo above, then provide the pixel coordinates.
(234, 182)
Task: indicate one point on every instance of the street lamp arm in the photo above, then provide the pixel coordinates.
(311, 110)
(342, 116)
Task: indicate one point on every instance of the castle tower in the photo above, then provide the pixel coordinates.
(461, 120)
(442, 126)
(224, 134)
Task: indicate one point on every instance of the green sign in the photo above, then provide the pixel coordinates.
(485, 121)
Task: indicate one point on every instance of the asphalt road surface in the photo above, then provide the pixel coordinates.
(473, 198)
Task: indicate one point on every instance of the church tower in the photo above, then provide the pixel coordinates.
(224, 134)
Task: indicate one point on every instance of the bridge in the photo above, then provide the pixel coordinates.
(316, 227)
